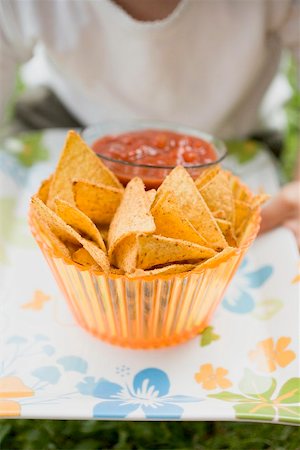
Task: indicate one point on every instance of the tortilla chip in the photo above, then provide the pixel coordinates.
(228, 232)
(116, 271)
(79, 222)
(206, 176)
(82, 256)
(217, 194)
(133, 215)
(259, 200)
(104, 232)
(125, 254)
(171, 222)
(43, 191)
(192, 205)
(78, 161)
(156, 250)
(66, 234)
(216, 260)
(151, 195)
(59, 248)
(166, 270)
(239, 190)
(243, 213)
(98, 201)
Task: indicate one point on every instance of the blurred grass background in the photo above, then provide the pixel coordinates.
(93, 435)
(96, 435)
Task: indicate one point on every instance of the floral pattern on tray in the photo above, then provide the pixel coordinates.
(243, 366)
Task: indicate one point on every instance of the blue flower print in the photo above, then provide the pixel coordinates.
(239, 297)
(149, 392)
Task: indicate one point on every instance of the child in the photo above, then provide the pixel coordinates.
(203, 63)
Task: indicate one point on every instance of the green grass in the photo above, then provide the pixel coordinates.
(93, 435)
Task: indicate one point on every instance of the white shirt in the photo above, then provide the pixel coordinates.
(206, 65)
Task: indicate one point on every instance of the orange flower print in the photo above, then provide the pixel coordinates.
(37, 302)
(211, 378)
(12, 387)
(267, 355)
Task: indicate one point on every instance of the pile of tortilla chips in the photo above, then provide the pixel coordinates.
(85, 215)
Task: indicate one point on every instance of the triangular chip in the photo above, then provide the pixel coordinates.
(59, 248)
(151, 195)
(206, 176)
(193, 206)
(243, 213)
(239, 190)
(218, 196)
(66, 234)
(133, 215)
(78, 161)
(44, 188)
(216, 260)
(155, 250)
(79, 222)
(166, 270)
(125, 254)
(227, 229)
(98, 201)
(259, 200)
(171, 222)
(82, 256)
(104, 232)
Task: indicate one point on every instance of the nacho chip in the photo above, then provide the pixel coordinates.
(259, 200)
(216, 260)
(166, 270)
(170, 221)
(218, 196)
(66, 234)
(59, 248)
(82, 256)
(206, 176)
(155, 250)
(191, 203)
(98, 201)
(79, 222)
(43, 191)
(125, 254)
(78, 161)
(151, 195)
(239, 190)
(243, 212)
(228, 232)
(104, 232)
(133, 215)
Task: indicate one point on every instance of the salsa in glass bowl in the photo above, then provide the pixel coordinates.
(151, 149)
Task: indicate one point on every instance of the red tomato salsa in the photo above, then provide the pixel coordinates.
(156, 148)
(147, 148)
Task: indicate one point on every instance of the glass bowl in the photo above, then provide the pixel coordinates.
(149, 312)
(152, 175)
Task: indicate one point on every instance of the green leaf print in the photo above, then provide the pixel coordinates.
(257, 386)
(257, 402)
(290, 414)
(290, 391)
(229, 397)
(266, 309)
(259, 411)
(208, 336)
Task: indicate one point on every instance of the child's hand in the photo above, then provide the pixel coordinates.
(284, 209)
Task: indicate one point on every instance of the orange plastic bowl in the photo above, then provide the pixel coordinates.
(143, 313)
